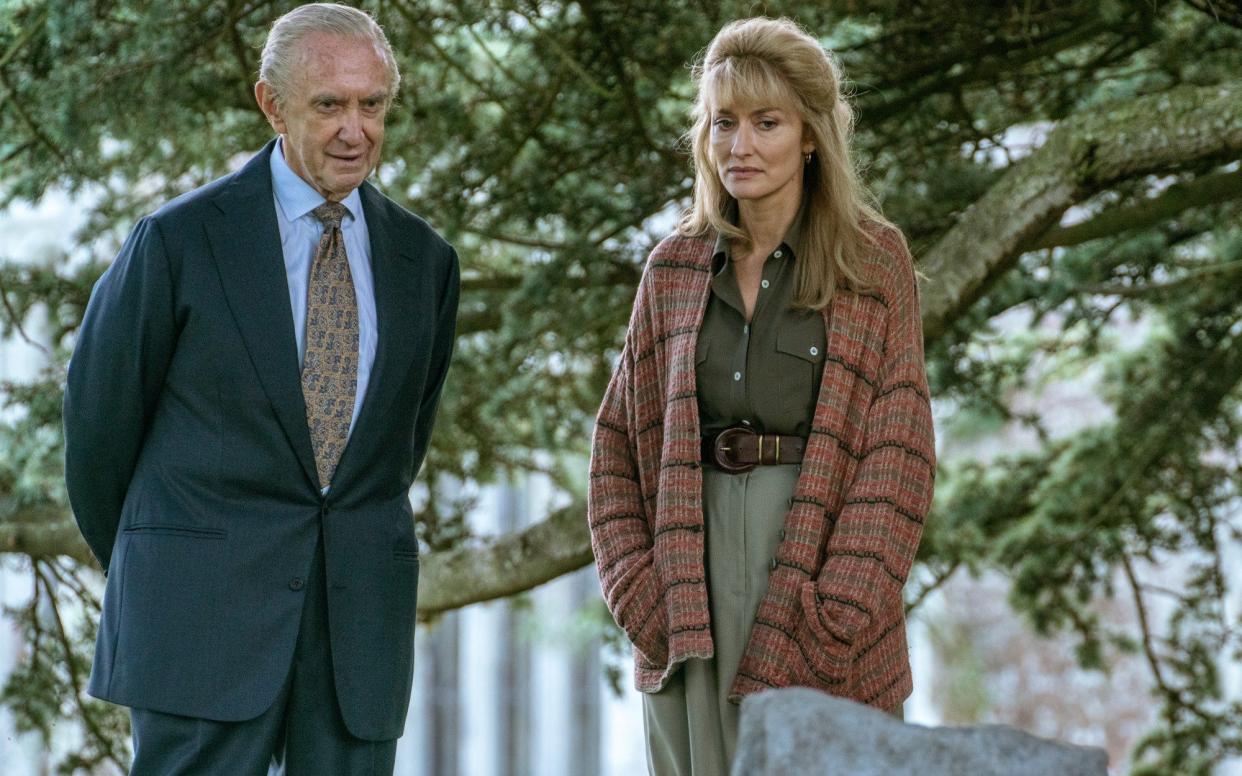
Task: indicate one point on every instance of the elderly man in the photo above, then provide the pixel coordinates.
(250, 398)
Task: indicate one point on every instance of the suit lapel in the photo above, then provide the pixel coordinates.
(245, 240)
(393, 269)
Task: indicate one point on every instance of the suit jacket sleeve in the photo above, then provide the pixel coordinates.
(621, 536)
(877, 532)
(115, 377)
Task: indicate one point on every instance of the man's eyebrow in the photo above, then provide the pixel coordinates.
(332, 99)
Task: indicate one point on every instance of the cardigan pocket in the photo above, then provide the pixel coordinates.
(827, 658)
(639, 609)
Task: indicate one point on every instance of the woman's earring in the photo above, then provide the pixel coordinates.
(806, 158)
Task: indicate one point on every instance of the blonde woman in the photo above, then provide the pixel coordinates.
(764, 457)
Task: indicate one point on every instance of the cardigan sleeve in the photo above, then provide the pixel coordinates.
(620, 527)
(877, 532)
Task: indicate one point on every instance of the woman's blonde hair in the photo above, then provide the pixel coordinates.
(775, 62)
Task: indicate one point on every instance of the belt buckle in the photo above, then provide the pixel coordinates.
(726, 442)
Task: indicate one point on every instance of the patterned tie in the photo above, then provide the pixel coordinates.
(330, 367)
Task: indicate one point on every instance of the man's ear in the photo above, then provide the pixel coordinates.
(265, 95)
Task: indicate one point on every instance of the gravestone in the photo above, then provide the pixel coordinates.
(798, 730)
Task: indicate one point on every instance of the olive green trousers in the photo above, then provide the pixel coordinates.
(691, 727)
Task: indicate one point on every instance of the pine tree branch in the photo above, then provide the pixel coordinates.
(1173, 696)
(1147, 289)
(16, 321)
(448, 580)
(30, 29)
(1205, 190)
(105, 743)
(508, 565)
(1225, 11)
(1083, 155)
(43, 531)
(938, 581)
(959, 69)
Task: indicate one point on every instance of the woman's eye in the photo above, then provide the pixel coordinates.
(767, 124)
(723, 123)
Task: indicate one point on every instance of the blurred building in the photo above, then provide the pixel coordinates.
(517, 688)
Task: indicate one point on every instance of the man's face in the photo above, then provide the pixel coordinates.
(332, 121)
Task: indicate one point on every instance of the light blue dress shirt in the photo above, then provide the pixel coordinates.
(299, 240)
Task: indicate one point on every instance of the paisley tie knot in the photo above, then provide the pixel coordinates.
(330, 214)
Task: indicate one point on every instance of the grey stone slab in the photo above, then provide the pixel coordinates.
(798, 730)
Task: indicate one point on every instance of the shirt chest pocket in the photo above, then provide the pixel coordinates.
(799, 361)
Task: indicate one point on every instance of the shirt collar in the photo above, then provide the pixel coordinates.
(296, 197)
(722, 251)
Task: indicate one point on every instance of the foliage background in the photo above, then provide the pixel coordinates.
(1061, 161)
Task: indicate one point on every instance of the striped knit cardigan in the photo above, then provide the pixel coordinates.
(833, 616)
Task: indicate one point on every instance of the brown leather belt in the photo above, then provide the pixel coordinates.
(739, 449)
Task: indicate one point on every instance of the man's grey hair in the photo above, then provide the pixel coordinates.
(281, 54)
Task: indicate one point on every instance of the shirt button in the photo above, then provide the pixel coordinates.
(737, 376)
(777, 254)
(782, 534)
(296, 583)
(814, 351)
(765, 284)
(772, 565)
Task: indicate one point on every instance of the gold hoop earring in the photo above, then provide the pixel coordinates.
(806, 159)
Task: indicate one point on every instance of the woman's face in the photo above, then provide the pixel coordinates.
(758, 150)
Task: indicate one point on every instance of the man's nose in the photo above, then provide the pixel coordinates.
(350, 130)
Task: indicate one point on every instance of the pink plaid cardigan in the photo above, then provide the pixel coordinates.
(833, 617)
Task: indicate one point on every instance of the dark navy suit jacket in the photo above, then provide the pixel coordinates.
(190, 470)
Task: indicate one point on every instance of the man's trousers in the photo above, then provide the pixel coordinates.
(301, 734)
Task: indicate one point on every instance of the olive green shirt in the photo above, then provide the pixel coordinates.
(764, 373)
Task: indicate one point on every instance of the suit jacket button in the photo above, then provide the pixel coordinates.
(296, 583)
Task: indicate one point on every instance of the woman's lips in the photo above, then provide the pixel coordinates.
(744, 172)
